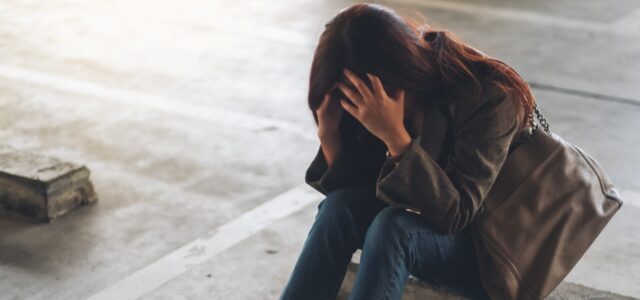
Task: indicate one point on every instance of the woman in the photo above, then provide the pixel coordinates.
(414, 127)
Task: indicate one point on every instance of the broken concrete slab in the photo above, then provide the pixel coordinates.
(418, 289)
(42, 187)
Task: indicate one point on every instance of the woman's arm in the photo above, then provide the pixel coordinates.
(330, 144)
(334, 167)
(449, 198)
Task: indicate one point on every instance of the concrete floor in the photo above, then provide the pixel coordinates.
(190, 114)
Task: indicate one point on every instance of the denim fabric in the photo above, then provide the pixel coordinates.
(395, 243)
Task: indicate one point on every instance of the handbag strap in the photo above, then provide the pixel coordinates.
(541, 119)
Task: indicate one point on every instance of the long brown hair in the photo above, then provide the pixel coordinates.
(433, 64)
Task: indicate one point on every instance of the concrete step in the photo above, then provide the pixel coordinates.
(417, 289)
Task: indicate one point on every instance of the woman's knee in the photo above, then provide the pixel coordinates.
(394, 226)
(335, 210)
(398, 220)
(387, 227)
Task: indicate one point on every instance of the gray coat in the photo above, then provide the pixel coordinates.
(447, 171)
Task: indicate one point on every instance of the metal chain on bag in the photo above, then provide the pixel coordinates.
(541, 120)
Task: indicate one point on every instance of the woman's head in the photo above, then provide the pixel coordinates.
(428, 63)
(369, 38)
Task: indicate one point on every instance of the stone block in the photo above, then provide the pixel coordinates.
(42, 187)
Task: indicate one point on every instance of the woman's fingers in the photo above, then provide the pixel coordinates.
(399, 96)
(332, 88)
(350, 108)
(324, 104)
(327, 98)
(329, 112)
(378, 89)
(361, 87)
(354, 96)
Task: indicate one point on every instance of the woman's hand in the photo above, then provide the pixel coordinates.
(329, 114)
(381, 114)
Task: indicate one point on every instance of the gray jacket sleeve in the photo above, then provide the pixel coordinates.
(324, 179)
(357, 164)
(449, 197)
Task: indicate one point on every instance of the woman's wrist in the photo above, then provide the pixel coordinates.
(324, 133)
(330, 144)
(394, 159)
(398, 144)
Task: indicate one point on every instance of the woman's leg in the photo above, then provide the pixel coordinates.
(399, 243)
(338, 230)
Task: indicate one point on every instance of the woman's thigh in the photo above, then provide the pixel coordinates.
(359, 205)
(442, 259)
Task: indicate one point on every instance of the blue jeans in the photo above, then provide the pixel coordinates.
(395, 243)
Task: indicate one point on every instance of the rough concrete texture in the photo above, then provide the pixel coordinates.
(42, 187)
(415, 288)
(191, 113)
(418, 289)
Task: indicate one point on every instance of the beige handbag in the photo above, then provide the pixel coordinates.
(548, 204)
